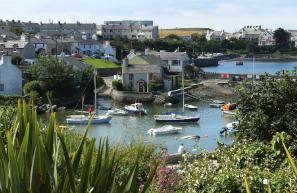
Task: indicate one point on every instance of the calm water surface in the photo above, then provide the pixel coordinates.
(260, 67)
(123, 129)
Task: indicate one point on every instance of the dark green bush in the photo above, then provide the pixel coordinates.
(155, 86)
(33, 89)
(117, 85)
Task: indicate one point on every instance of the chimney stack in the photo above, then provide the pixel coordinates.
(125, 62)
(6, 59)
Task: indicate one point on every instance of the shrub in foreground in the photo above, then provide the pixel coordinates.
(35, 158)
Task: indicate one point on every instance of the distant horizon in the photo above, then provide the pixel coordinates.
(230, 15)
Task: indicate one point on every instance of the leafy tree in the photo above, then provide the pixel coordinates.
(282, 38)
(34, 89)
(268, 106)
(56, 77)
(201, 39)
(173, 36)
(117, 85)
(17, 59)
(17, 30)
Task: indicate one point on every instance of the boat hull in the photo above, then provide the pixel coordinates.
(188, 120)
(214, 105)
(165, 130)
(133, 112)
(86, 121)
(229, 112)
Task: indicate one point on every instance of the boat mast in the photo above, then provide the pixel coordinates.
(253, 67)
(95, 94)
(183, 85)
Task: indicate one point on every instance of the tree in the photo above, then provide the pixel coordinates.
(34, 90)
(17, 30)
(268, 106)
(173, 36)
(17, 59)
(56, 77)
(282, 38)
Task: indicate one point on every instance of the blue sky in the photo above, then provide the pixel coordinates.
(217, 14)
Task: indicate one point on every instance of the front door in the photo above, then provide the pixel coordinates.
(141, 86)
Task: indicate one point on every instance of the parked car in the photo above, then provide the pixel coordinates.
(76, 55)
(96, 56)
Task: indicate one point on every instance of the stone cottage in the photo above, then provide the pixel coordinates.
(136, 77)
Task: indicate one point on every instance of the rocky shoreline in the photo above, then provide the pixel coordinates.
(206, 90)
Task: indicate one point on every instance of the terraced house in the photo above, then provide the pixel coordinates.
(128, 29)
(67, 29)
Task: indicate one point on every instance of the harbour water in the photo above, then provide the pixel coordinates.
(260, 67)
(124, 129)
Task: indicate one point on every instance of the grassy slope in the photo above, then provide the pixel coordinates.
(98, 63)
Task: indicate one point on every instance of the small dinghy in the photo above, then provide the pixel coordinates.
(239, 63)
(229, 109)
(229, 128)
(118, 112)
(136, 108)
(218, 101)
(168, 105)
(191, 107)
(165, 130)
(233, 112)
(191, 137)
(215, 105)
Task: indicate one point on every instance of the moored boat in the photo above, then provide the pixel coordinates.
(92, 117)
(136, 108)
(85, 119)
(230, 128)
(215, 105)
(239, 63)
(233, 112)
(165, 130)
(191, 107)
(191, 137)
(173, 118)
(229, 109)
(167, 104)
(118, 112)
(218, 101)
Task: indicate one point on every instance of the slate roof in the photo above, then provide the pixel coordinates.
(172, 55)
(142, 69)
(120, 27)
(31, 24)
(8, 35)
(145, 59)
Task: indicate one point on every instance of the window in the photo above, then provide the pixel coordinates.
(175, 62)
(151, 76)
(2, 87)
(131, 77)
(90, 46)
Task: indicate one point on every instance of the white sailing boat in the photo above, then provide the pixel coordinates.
(94, 118)
(174, 118)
